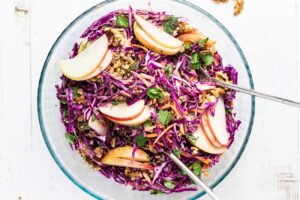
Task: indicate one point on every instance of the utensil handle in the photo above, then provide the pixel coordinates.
(258, 94)
(195, 178)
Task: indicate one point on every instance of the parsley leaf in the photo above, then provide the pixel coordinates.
(203, 41)
(170, 24)
(168, 70)
(169, 184)
(208, 59)
(196, 168)
(141, 140)
(153, 191)
(148, 123)
(164, 117)
(154, 93)
(115, 102)
(195, 61)
(122, 21)
(135, 66)
(186, 46)
(71, 138)
(177, 152)
(85, 127)
(83, 45)
(192, 138)
(75, 92)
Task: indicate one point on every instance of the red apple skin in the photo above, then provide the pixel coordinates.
(123, 119)
(120, 162)
(208, 133)
(143, 117)
(204, 144)
(214, 134)
(125, 152)
(109, 114)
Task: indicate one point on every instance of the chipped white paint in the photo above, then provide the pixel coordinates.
(268, 32)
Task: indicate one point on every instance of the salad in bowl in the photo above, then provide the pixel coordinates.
(132, 90)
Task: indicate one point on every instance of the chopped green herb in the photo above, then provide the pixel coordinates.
(75, 92)
(177, 152)
(148, 123)
(196, 168)
(170, 24)
(186, 46)
(83, 45)
(207, 59)
(135, 66)
(195, 61)
(62, 101)
(192, 181)
(141, 140)
(168, 70)
(203, 41)
(93, 118)
(71, 138)
(122, 21)
(65, 111)
(156, 192)
(169, 184)
(192, 138)
(115, 102)
(154, 93)
(85, 127)
(164, 117)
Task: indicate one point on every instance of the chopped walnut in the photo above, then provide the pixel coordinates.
(121, 64)
(238, 6)
(117, 36)
(185, 28)
(99, 152)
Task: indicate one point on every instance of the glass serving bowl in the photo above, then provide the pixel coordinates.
(53, 130)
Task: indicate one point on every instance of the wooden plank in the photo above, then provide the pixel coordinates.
(15, 121)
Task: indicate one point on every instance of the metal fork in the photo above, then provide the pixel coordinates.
(249, 91)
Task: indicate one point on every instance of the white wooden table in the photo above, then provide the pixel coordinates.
(268, 32)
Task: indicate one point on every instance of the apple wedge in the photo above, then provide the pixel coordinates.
(103, 65)
(204, 144)
(209, 135)
(126, 163)
(150, 43)
(217, 123)
(122, 157)
(98, 126)
(205, 86)
(86, 62)
(158, 35)
(126, 153)
(143, 117)
(122, 111)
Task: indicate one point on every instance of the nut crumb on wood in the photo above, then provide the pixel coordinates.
(238, 5)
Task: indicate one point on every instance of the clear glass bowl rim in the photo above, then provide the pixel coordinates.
(186, 3)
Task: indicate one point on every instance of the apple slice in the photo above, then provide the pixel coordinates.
(126, 153)
(103, 65)
(122, 111)
(209, 135)
(98, 126)
(86, 62)
(204, 144)
(217, 123)
(158, 35)
(143, 117)
(150, 43)
(205, 86)
(120, 162)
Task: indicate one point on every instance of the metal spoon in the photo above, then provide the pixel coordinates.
(249, 91)
(195, 178)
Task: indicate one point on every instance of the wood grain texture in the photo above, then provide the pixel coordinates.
(268, 32)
